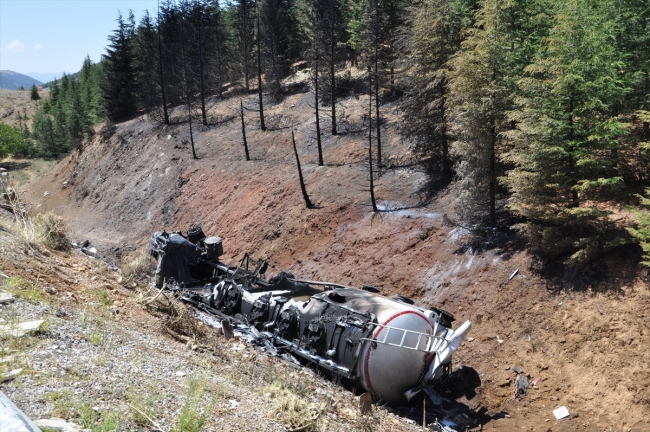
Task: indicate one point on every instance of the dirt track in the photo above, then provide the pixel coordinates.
(590, 348)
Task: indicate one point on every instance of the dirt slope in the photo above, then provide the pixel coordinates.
(590, 348)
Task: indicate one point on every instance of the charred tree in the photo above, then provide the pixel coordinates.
(187, 83)
(243, 128)
(161, 74)
(259, 76)
(318, 141)
(200, 55)
(376, 52)
(328, 35)
(372, 182)
(302, 181)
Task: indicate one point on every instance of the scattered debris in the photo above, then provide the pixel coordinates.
(12, 419)
(6, 297)
(233, 403)
(536, 381)
(20, 329)
(520, 386)
(499, 339)
(6, 114)
(517, 369)
(46, 194)
(91, 252)
(561, 412)
(513, 274)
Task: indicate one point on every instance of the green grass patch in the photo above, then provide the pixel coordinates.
(23, 289)
(195, 412)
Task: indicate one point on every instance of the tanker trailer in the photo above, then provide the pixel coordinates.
(387, 346)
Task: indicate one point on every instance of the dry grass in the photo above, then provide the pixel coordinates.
(52, 231)
(292, 408)
(135, 267)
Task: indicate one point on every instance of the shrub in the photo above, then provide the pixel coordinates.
(52, 231)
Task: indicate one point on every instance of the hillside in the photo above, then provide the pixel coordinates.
(15, 103)
(10, 80)
(588, 346)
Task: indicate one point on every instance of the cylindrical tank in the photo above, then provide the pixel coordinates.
(397, 361)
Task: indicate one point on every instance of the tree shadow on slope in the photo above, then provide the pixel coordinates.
(610, 271)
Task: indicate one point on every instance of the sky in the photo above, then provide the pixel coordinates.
(54, 36)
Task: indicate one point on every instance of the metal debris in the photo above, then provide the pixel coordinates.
(390, 347)
(12, 419)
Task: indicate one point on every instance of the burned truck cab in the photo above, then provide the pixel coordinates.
(389, 347)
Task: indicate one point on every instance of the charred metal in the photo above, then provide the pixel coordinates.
(387, 346)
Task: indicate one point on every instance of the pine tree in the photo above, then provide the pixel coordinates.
(641, 229)
(242, 22)
(328, 37)
(567, 137)
(119, 86)
(481, 91)
(280, 39)
(33, 95)
(434, 34)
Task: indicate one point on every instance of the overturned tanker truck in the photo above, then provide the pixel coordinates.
(387, 346)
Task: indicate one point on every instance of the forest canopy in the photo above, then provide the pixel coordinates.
(537, 111)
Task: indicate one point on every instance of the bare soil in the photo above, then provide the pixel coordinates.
(588, 345)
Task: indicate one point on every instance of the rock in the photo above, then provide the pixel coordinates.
(57, 424)
(11, 375)
(233, 403)
(46, 194)
(6, 297)
(365, 403)
(51, 290)
(470, 339)
(517, 369)
(20, 329)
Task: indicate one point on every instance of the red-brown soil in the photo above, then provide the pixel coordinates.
(590, 347)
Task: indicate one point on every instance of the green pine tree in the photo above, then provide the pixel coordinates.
(33, 93)
(566, 143)
(481, 89)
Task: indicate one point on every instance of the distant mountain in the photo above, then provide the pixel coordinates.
(45, 77)
(11, 80)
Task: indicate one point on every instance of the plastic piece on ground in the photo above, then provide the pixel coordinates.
(561, 413)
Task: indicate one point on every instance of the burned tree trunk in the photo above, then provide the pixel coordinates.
(302, 181)
(243, 128)
(372, 183)
(379, 164)
(259, 77)
(320, 148)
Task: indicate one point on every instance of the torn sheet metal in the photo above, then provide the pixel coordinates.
(13, 419)
(389, 347)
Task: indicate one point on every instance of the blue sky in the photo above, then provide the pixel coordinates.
(53, 36)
